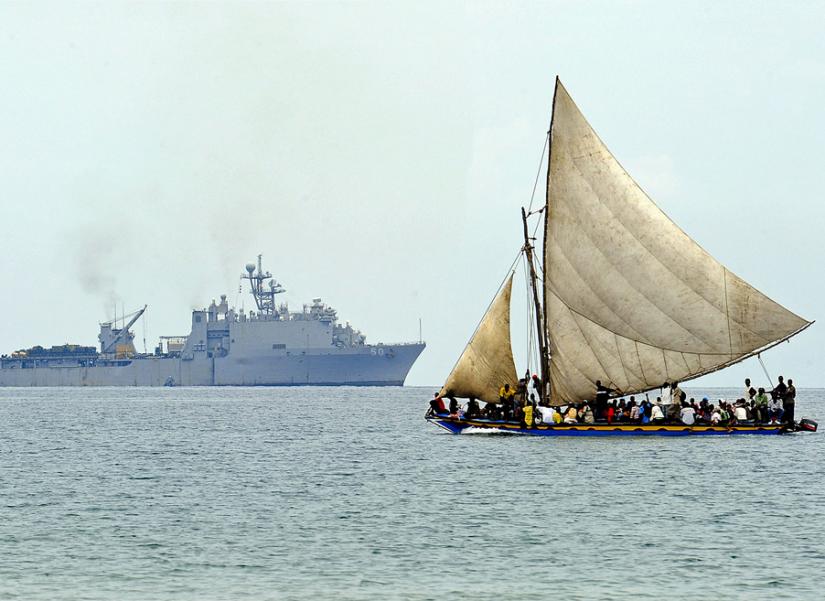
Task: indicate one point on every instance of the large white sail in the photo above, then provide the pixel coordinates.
(630, 299)
(487, 362)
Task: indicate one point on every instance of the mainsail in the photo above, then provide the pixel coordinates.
(487, 361)
(630, 299)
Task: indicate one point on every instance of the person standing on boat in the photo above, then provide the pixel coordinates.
(537, 387)
(521, 390)
(676, 398)
(748, 389)
(789, 402)
(506, 395)
(667, 398)
(634, 410)
(781, 389)
(600, 405)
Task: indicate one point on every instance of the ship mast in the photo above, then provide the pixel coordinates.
(264, 299)
(528, 252)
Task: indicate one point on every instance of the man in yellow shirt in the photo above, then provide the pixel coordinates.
(527, 414)
(505, 397)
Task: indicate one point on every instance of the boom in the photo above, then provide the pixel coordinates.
(123, 330)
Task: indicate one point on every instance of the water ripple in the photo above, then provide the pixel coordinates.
(311, 494)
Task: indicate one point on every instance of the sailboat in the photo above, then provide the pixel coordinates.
(620, 295)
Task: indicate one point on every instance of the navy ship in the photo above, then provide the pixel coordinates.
(269, 346)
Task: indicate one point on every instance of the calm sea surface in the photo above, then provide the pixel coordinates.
(314, 493)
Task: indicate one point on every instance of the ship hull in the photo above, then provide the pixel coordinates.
(362, 366)
(458, 426)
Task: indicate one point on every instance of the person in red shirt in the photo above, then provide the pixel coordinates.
(437, 405)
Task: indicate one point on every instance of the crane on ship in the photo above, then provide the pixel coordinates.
(119, 334)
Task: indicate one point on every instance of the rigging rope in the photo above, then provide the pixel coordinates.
(538, 173)
(765, 369)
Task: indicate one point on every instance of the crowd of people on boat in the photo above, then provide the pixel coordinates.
(517, 404)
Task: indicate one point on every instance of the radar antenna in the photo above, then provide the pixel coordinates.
(263, 286)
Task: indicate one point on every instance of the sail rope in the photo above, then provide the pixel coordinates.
(538, 172)
(765, 369)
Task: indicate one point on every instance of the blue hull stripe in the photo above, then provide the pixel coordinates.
(458, 426)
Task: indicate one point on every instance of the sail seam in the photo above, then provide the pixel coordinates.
(647, 196)
(737, 360)
(727, 311)
(618, 220)
(637, 290)
(650, 387)
(589, 345)
(605, 246)
(690, 240)
(641, 366)
(655, 346)
(562, 255)
(621, 359)
(554, 367)
(686, 363)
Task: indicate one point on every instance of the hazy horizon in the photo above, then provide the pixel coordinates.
(378, 154)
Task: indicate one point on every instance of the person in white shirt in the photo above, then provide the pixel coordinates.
(656, 415)
(546, 414)
(775, 409)
(741, 413)
(747, 395)
(667, 398)
(688, 415)
(715, 416)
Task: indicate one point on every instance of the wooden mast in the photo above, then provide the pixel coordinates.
(528, 251)
(545, 355)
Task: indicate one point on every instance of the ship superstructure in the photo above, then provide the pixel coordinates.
(268, 346)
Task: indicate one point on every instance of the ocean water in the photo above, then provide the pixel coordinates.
(347, 493)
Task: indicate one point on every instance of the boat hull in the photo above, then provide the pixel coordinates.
(458, 426)
(385, 365)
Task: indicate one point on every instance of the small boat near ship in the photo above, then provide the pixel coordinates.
(620, 295)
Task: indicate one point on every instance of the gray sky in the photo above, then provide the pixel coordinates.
(377, 154)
